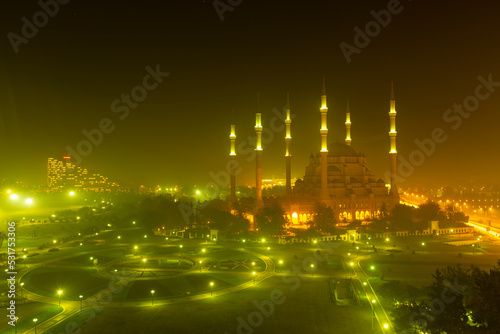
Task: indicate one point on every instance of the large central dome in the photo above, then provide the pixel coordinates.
(341, 150)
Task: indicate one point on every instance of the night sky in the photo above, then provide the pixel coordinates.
(66, 77)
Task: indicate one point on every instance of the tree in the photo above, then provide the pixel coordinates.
(402, 217)
(323, 219)
(271, 219)
(430, 211)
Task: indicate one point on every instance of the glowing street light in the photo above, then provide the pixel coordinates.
(59, 293)
(28, 201)
(152, 297)
(312, 269)
(72, 193)
(21, 284)
(423, 243)
(91, 261)
(211, 288)
(135, 247)
(253, 273)
(200, 265)
(14, 197)
(35, 320)
(81, 302)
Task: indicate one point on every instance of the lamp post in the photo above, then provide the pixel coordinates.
(200, 265)
(81, 302)
(211, 288)
(144, 262)
(312, 270)
(91, 261)
(35, 320)
(59, 293)
(152, 297)
(253, 273)
(22, 284)
(373, 311)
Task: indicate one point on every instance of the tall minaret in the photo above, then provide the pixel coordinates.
(232, 154)
(392, 135)
(324, 146)
(348, 125)
(288, 156)
(258, 148)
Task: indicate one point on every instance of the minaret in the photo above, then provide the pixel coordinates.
(324, 147)
(288, 156)
(348, 125)
(392, 136)
(258, 148)
(232, 154)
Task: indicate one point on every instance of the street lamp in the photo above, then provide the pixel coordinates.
(152, 297)
(253, 273)
(22, 284)
(211, 288)
(373, 311)
(200, 265)
(35, 320)
(59, 293)
(312, 270)
(144, 261)
(81, 302)
(91, 261)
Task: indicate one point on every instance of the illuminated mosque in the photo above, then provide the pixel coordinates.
(337, 176)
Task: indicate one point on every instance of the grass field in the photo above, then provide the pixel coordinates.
(26, 313)
(308, 309)
(73, 282)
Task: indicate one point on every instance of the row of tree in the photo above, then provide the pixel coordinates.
(460, 300)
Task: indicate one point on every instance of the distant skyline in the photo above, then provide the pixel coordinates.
(71, 77)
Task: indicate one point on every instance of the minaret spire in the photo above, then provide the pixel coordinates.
(258, 161)
(392, 136)
(348, 125)
(232, 154)
(288, 139)
(324, 146)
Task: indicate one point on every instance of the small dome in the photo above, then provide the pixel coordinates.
(341, 150)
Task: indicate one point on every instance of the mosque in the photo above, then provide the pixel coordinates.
(338, 176)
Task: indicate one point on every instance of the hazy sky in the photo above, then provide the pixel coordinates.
(69, 76)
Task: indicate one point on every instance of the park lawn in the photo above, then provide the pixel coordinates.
(177, 286)
(27, 312)
(308, 309)
(73, 282)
